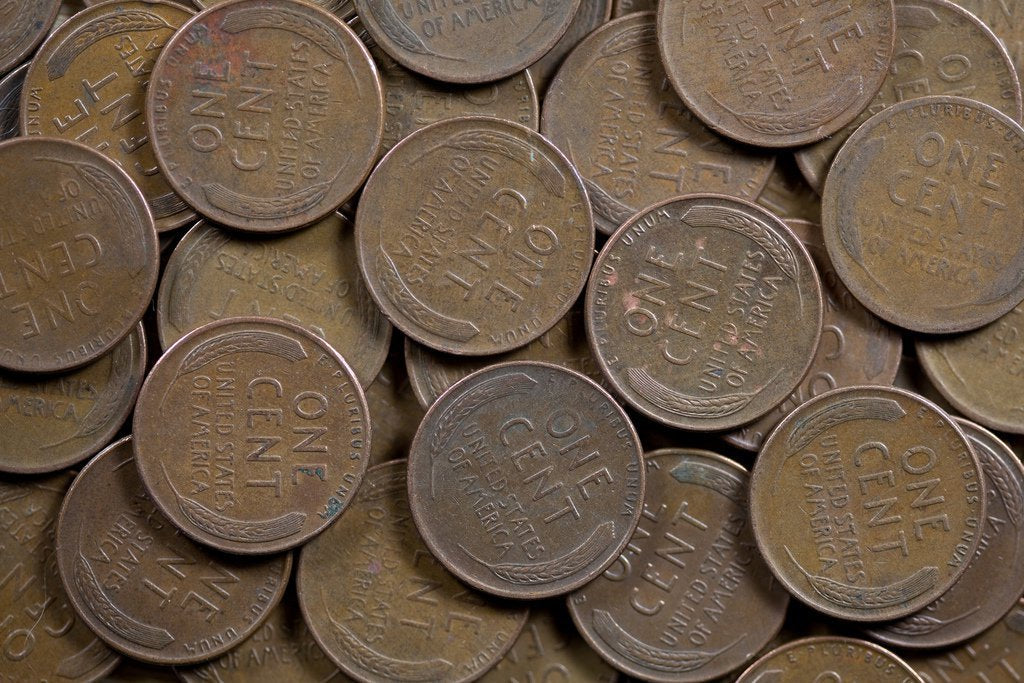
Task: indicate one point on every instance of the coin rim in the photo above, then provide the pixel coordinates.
(41, 33)
(910, 674)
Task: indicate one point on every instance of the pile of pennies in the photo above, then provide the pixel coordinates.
(513, 340)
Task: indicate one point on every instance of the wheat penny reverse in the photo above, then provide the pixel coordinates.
(830, 658)
(23, 25)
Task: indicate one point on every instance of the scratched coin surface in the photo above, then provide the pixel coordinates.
(689, 599)
(10, 95)
(787, 194)
(384, 609)
(778, 74)
(251, 435)
(487, 245)
(526, 479)
(867, 503)
(613, 112)
(78, 255)
(830, 658)
(141, 585)
(921, 214)
(23, 25)
(590, 16)
(704, 312)
(308, 277)
(265, 114)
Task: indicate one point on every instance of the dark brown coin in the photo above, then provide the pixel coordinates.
(265, 114)
(394, 411)
(10, 95)
(781, 74)
(787, 194)
(251, 435)
(612, 110)
(1006, 19)
(384, 609)
(828, 659)
(526, 480)
(145, 588)
(689, 599)
(624, 7)
(921, 214)
(487, 244)
(23, 25)
(78, 255)
(590, 16)
(867, 503)
(131, 671)
(911, 376)
(704, 312)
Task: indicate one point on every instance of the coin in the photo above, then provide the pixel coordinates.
(911, 376)
(689, 599)
(265, 114)
(342, 8)
(131, 671)
(624, 7)
(590, 16)
(787, 194)
(613, 112)
(23, 25)
(394, 411)
(487, 245)
(704, 312)
(78, 255)
(919, 210)
(141, 585)
(779, 75)
(1006, 20)
(384, 609)
(10, 94)
(829, 658)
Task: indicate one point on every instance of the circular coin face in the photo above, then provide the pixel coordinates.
(10, 95)
(830, 658)
(265, 114)
(251, 435)
(704, 312)
(342, 8)
(393, 408)
(780, 74)
(866, 502)
(23, 25)
(1006, 19)
(487, 244)
(588, 18)
(787, 194)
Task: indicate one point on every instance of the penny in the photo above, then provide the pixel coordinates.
(624, 7)
(23, 25)
(918, 211)
(131, 671)
(1006, 20)
(10, 95)
(911, 376)
(590, 16)
(487, 245)
(265, 115)
(384, 609)
(830, 658)
(613, 112)
(689, 599)
(940, 50)
(787, 194)
(394, 411)
(704, 312)
(79, 256)
(780, 74)
(141, 585)
(342, 8)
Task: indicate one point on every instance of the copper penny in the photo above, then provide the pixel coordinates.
(704, 312)
(1006, 19)
(624, 7)
(612, 110)
(384, 609)
(145, 588)
(23, 25)
(78, 255)
(689, 599)
(265, 114)
(10, 95)
(342, 8)
(830, 658)
(780, 74)
(251, 435)
(787, 194)
(394, 411)
(487, 245)
(911, 376)
(589, 17)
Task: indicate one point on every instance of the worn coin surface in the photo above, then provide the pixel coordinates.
(590, 15)
(1006, 19)
(23, 25)
(787, 194)
(141, 585)
(829, 658)
(394, 411)
(689, 599)
(704, 312)
(265, 115)
(78, 255)
(612, 110)
(10, 95)
(867, 503)
(624, 7)
(384, 609)
(251, 435)
(779, 74)
(342, 8)
(487, 245)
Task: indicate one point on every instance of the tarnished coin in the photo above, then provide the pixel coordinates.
(10, 95)
(1006, 19)
(309, 277)
(921, 214)
(145, 588)
(867, 503)
(689, 599)
(624, 7)
(911, 376)
(780, 74)
(787, 194)
(394, 411)
(526, 479)
(131, 671)
(251, 435)
(590, 15)
(23, 25)
(487, 245)
(78, 255)
(612, 110)
(343, 8)
(830, 658)
(265, 114)
(704, 312)
(384, 609)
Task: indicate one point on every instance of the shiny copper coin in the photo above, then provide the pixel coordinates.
(830, 658)
(624, 7)
(265, 114)
(704, 312)
(23, 25)
(589, 17)
(486, 245)
(780, 74)
(1006, 19)
(689, 599)
(10, 95)
(145, 588)
(78, 255)
(384, 609)
(251, 435)
(394, 411)
(867, 503)
(787, 194)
